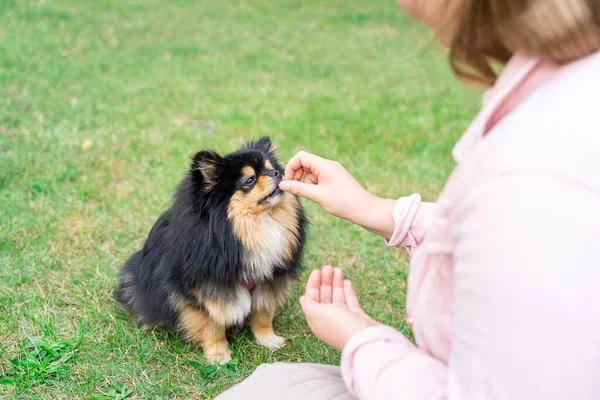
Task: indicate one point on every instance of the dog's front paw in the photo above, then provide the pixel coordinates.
(272, 342)
(221, 357)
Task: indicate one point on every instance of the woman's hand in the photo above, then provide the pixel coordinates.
(328, 184)
(332, 309)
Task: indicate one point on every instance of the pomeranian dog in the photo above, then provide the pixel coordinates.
(223, 255)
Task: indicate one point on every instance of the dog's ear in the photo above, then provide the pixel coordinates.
(205, 167)
(264, 144)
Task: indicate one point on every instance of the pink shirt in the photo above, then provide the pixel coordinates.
(504, 284)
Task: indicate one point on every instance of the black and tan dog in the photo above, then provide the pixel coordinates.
(224, 254)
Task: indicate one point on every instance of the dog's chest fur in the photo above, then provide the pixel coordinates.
(269, 239)
(261, 262)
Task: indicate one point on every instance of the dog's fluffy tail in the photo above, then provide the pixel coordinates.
(125, 293)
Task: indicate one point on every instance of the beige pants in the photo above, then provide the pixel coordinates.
(290, 382)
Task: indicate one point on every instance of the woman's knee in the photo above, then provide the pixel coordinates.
(290, 380)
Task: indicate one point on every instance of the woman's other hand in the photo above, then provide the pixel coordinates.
(332, 309)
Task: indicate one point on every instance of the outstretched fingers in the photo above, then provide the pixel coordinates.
(313, 286)
(326, 284)
(338, 296)
(351, 297)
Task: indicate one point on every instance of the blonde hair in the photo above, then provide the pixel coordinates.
(488, 31)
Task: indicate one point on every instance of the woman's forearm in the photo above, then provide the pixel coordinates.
(375, 214)
(402, 222)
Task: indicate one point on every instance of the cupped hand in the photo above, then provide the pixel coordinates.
(327, 183)
(332, 308)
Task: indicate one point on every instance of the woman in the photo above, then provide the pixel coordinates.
(502, 291)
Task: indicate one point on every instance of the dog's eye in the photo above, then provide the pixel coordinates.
(250, 181)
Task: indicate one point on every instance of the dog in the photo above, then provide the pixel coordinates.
(224, 255)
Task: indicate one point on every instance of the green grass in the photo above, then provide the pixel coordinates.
(42, 360)
(101, 104)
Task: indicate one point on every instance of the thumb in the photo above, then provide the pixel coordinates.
(308, 191)
(307, 305)
(307, 302)
(304, 300)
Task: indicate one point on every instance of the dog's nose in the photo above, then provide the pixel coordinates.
(274, 173)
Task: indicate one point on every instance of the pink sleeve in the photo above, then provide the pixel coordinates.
(411, 220)
(526, 320)
(381, 363)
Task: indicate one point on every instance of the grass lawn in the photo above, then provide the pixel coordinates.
(101, 105)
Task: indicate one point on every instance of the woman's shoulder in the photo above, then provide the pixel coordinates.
(573, 90)
(555, 130)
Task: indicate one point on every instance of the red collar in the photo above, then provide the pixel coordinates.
(250, 285)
